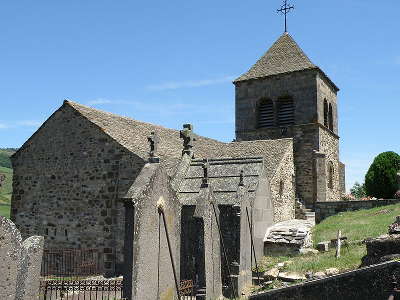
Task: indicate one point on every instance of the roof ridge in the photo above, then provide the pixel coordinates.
(78, 106)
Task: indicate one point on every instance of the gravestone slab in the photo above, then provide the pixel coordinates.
(19, 263)
(31, 259)
(212, 250)
(10, 253)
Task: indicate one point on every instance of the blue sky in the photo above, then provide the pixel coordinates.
(172, 62)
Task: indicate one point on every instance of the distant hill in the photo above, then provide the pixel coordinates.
(5, 154)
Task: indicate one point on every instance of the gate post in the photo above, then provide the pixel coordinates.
(128, 249)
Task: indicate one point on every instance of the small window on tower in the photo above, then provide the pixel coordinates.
(265, 114)
(285, 111)
(326, 113)
(330, 117)
(281, 187)
(330, 175)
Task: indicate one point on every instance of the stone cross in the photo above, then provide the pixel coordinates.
(205, 167)
(188, 138)
(153, 141)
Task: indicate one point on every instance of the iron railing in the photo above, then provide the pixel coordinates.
(81, 290)
(71, 263)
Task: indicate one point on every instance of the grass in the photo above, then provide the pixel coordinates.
(5, 211)
(356, 226)
(6, 189)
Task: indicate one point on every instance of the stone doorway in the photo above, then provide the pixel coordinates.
(192, 248)
(230, 229)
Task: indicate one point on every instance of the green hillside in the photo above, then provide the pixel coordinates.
(6, 188)
(355, 225)
(5, 154)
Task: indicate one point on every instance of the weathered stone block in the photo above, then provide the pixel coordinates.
(19, 263)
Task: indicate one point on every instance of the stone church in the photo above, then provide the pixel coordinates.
(78, 177)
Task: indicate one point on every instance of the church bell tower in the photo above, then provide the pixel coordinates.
(284, 95)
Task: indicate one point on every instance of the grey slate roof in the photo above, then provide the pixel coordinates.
(132, 135)
(224, 177)
(284, 56)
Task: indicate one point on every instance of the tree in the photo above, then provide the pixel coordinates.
(381, 178)
(358, 190)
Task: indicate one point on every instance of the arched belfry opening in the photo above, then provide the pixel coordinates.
(285, 111)
(266, 116)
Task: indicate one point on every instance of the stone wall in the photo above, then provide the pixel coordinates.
(301, 86)
(324, 210)
(342, 177)
(374, 282)
(329, 145)
(283, 190)
(66, 188)
(328, 93)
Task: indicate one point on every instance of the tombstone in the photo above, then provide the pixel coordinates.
(148, 269)
(207, 211)
(19, 263)
(31, 260)
(246, 251)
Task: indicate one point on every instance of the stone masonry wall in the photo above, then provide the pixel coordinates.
(283, 190)
(324, 210)
(66, 184)
(342, 177)
(308, 89)
(329, 145)
(305, 140)
(326, 92)
(301, 86)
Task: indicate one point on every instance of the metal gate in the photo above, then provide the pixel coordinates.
(81, 290)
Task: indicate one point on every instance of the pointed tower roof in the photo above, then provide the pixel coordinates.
(283, 57)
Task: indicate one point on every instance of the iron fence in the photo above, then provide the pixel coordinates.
(71, 263)
(81, 290)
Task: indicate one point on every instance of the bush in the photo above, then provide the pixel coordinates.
(381, 178)
(358, 190)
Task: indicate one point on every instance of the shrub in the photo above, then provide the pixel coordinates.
(381, 178)
(358, 190)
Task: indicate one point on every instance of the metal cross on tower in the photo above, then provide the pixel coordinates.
(285, 9)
